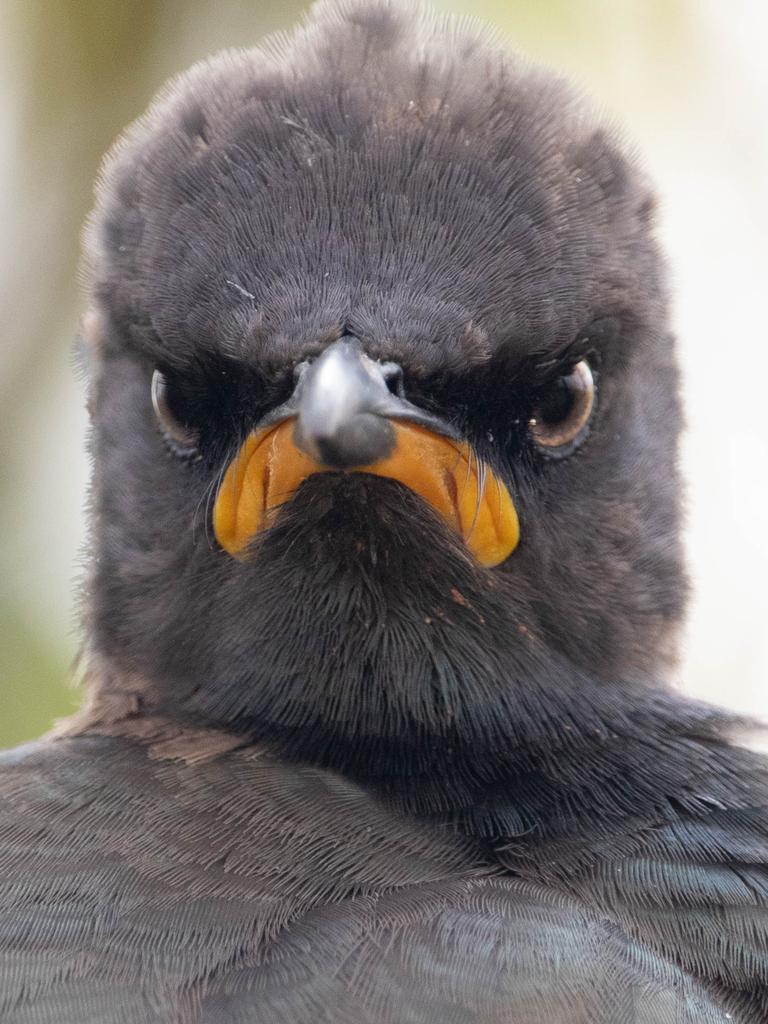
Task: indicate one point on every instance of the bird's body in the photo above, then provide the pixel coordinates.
(359, 749)
(156, 874)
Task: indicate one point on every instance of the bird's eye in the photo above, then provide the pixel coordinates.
(560, 419)
(182, 439)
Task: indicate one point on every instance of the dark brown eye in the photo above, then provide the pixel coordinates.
(182, 439)
(561, 416)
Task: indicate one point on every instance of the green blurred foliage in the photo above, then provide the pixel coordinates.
(37, 673)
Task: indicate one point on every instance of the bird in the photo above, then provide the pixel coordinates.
(385, 581)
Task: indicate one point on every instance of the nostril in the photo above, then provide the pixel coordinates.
(394, 379)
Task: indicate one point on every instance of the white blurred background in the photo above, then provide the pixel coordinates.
(688, 80)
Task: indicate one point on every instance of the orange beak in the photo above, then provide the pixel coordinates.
(270, 467)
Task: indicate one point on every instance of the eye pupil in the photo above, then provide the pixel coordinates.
(560, 419)
(182, 439)
(556, 403)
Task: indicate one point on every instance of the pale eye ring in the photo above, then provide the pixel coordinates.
(182, 439)
(563, 412)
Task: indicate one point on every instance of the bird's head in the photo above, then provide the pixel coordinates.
(385, 405)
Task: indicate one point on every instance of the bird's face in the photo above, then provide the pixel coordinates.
(385, 407)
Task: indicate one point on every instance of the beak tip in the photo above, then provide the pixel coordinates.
(362, 440)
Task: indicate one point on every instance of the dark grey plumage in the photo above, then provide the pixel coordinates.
(356, 777)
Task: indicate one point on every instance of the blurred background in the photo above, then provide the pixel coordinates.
(688, 80)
